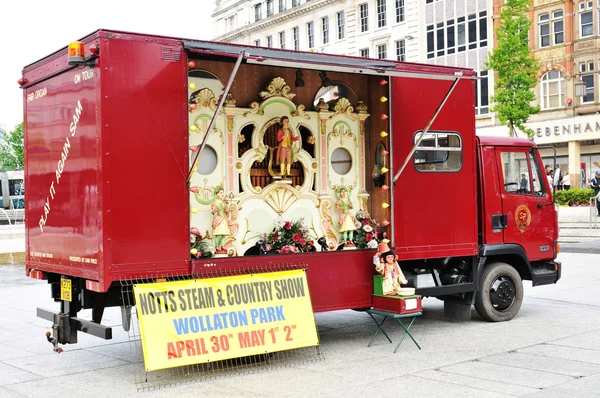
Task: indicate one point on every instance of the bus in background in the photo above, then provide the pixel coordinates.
(12, 190)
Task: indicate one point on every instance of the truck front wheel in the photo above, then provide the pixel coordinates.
(500, 293)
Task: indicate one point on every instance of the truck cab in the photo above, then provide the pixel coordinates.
(518, 223)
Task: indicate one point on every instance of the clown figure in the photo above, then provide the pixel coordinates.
(386, 265)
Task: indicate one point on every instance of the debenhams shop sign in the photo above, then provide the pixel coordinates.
(570, 129)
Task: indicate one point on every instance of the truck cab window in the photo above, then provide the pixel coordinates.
(537, 175)
(438, 151)
(515, 170)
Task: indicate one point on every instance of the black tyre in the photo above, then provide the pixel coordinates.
(500, 293)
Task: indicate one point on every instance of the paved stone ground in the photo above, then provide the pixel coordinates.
(551, 349)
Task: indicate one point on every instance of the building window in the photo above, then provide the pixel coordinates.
(325, 27)
(269, 41)
(552, 90)
(310, 33)
(400, 50)
(282, 39)
(440, 38)
(282, 5)
(381, 20)
(482, 29)
(257, 43)
(295, 3)
(257, 12)
(399, 11)
(270, 8)
(430, 42)
(340, 25)
(472, 26)
(451, 36)
(364, 17)
(296, 38)
(558, 27)
(364, 52)
(461, 34)
(587, 76)
(544, 28)
(586, 19)
(382, 51)
(482, 98)
(230, 22)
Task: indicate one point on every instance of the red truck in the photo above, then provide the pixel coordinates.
(116, 191)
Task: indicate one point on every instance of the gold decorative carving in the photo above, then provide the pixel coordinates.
(230, 123)
(281, 198)
(254, 109)
(323, 126)
(238, 165)
(341, 131)
(230, 100)
(261, 152)
(300, 112)
(277, 87)
(327, 223)
(361, 107)
(344, 107)
(362, 128)
(314, 165)
(206, 98)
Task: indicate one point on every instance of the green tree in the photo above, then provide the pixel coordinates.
(515, 67)
(11, 150)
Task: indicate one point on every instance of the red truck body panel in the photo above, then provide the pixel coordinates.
(435, 214)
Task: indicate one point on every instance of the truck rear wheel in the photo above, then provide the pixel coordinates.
(500, 293)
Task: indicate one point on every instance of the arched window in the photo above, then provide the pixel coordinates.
(552, 90)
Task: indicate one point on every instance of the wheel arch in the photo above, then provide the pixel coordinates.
(511, 254)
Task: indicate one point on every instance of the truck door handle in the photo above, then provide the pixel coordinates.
(499, 221)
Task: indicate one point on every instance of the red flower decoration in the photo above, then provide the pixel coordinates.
(365, 222)
(275, 236)
(287, 225)
(296, 237)
(368, 237)
(302, 242)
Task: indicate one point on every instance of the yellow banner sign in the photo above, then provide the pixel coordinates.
(207, 320)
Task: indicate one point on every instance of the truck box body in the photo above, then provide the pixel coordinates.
(110, 144)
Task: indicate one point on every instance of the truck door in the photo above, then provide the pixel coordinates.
(526, 202)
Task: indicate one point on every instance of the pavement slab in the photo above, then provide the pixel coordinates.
(89, 384)
(588, 387)
(588, 341)
(9, 352)
(544, 363)
(13, 375)
(53, 364)
(506, 374)
(393, 387)
(563, 352)
(475, 382)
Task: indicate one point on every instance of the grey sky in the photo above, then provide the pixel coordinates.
(33, 29)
